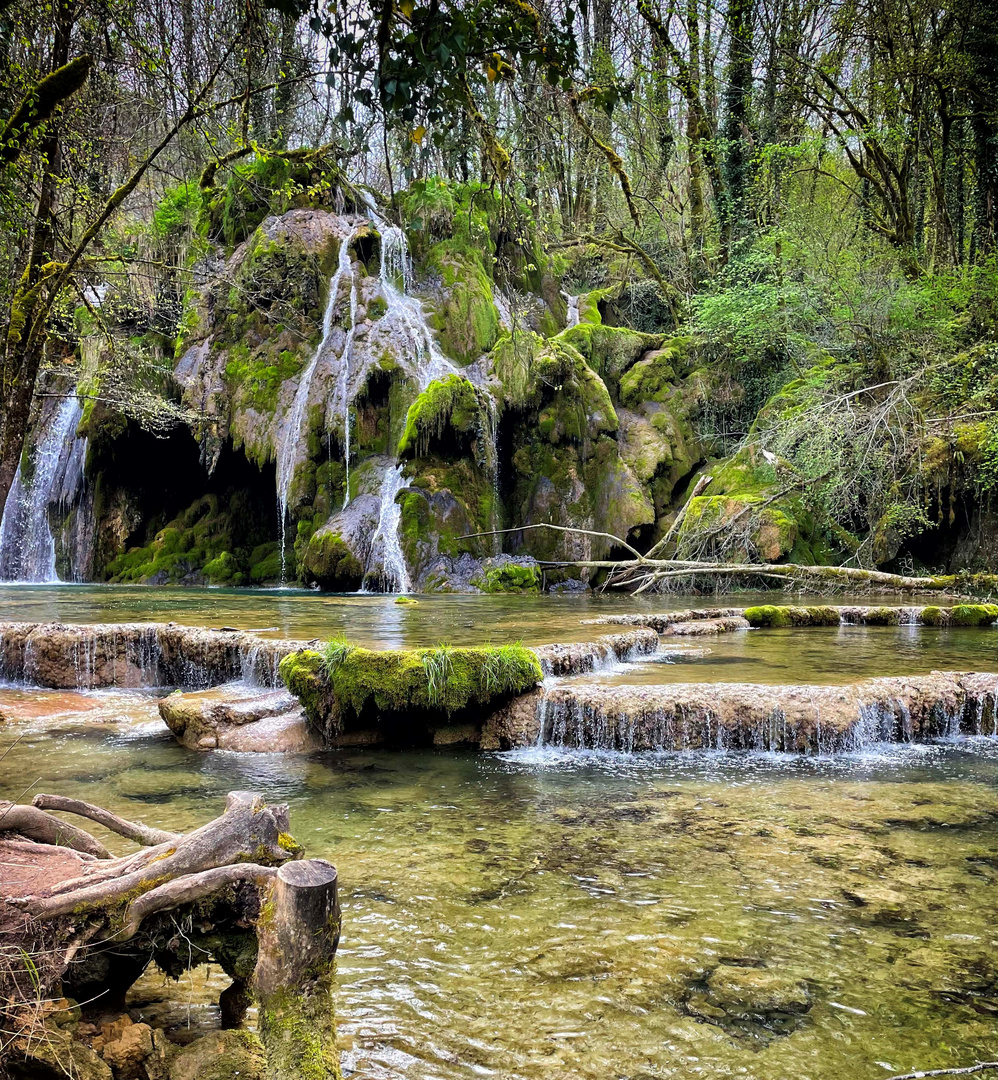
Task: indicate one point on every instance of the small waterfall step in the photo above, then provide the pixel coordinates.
(747, 716)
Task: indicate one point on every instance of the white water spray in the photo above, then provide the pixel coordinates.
(394, 569)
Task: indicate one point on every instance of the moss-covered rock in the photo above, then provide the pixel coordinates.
(331, 563)
(973, 614)
(208, 543)
(774, 615)
(346, 687)
(466, 317)
(221, 1055)
(610, 350)
(447, 406)
(510, 577)
(655, 375)
(752, 510)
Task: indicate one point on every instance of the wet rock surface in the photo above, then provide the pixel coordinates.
(237, 717)
(84, 657)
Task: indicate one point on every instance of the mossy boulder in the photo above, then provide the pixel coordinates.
(509, 577)
(656, 374)
(331, 563)
(400, 691)
(973, 614)
(208, 543)
(447, 412)
(752, 511)
(465, 315)
(610, 350)
(221, 1055)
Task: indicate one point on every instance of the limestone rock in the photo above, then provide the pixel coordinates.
(221, 1055)
(238, 718)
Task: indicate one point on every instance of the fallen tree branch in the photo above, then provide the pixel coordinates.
(981, 1066)
(677, 524)
(131, 830)
(43, 828)
(187, 889)
(560, 528)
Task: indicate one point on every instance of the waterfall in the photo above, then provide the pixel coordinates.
(411, 335)
(404, 312)
(573, 310)
(27, 547)
(290, 437)
(345, 389)
(394, 569)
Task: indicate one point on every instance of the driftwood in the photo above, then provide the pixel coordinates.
(981, 1066)
(76, 921)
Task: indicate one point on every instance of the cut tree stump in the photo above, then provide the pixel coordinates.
(78, 922)
(298, 936)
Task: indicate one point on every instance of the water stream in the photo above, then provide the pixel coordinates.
(292, 435)
(553, 913)
(549, 914)
(27, 547)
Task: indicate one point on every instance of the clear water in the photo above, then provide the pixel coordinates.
(550, 914)
(554, 915)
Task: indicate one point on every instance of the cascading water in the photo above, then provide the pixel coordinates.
(404, 312)
(27, 547)
(290, 438)
(345, 389)
(409, 336)
(573, 310)
(409, 332)
(386, 538)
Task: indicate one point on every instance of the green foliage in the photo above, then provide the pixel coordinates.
(510, 577)
(334, 652)
(438, 666)
(267, 184)
(176, 214)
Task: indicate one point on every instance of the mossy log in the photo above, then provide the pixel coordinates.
(81, 923)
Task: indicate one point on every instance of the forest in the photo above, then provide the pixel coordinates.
(785, 212)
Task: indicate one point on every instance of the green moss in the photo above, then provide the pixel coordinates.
(609, 350)
(203, 543)
(654, 376)
(767, 615)
(774, 615)
(466, 315)
(329, 563)
(446, 404)
(265, 563)
(509, 577)
(934, 616)
(406, 601)
(299, 1033)
(973, 614)
(347, 682)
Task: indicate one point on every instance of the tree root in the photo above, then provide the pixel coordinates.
(79, 922)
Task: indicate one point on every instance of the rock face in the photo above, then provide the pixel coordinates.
(237, 717)
(736, 716)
